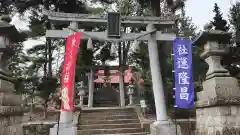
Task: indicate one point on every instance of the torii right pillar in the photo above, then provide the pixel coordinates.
(218, 105)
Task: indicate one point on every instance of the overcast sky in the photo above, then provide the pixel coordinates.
(199, 10)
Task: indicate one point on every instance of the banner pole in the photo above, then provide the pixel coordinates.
(174, 106)
(58, 121)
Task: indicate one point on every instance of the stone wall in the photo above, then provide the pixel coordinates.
(224, 120)
(37, 124)
(42, 126)
(10, 125)
(10, 120)
(37, 116)
(37, 128)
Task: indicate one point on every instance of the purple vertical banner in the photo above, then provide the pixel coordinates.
(184, 89)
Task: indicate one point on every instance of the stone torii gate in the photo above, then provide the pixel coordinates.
(114, 22)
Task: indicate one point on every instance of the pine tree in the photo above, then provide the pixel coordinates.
(232, 60)
(234, 17)
(218, 21)
(40, 55)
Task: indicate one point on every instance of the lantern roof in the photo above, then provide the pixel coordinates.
(10, 31)
(212, 35)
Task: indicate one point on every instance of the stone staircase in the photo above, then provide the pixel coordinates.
(105, 103)
(106, 97)
(110, 121)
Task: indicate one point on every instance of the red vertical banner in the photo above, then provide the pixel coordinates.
(68, 74)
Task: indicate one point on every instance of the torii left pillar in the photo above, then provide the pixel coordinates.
(161, 126)
(66, 125)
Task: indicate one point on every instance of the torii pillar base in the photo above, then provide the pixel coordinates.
(66, 125)
(63, 130)
(165, 128)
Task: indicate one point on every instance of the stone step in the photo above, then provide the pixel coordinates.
(104, 101)
(110, 109)
(107, 113)
(142, 133)
(109, 131)
(109, 117)
(110, 126)
(116, 121)
(105, 105)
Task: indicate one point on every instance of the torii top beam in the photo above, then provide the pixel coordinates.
(93, 20)
(103, 35)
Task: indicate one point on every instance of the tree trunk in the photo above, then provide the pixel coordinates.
(49, 44)
(156, 9)
(46, 57)
(31, 107)
(45, 109)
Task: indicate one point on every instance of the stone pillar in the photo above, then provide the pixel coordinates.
(91, 88)
(11, 110)
(121, 87)
(66, 125)
(161, 126)
(218, 105)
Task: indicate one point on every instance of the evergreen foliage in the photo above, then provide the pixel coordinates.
(39, 57)
(218, 21)
(232, 60)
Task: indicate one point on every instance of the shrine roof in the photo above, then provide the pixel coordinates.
(115, 79)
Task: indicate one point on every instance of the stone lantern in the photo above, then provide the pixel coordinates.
(218, 105)
(130, 93)
(11, 111)
(81, 93)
